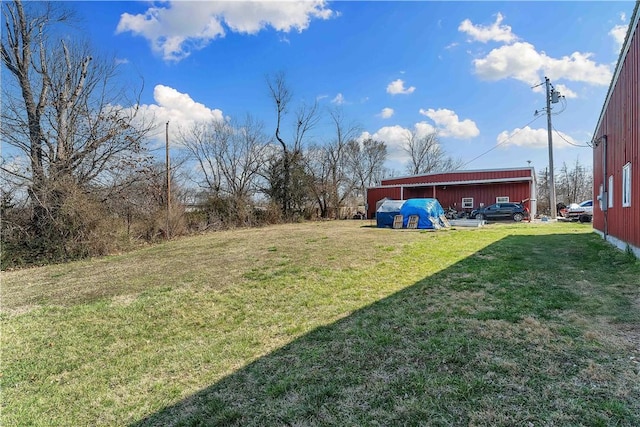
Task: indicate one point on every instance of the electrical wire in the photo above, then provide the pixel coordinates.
(564, 106)
(568, 142)
(499, 144)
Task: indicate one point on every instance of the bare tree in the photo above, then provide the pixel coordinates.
(65, 113)
(317, 166)
(543, 204)
(340, 182)
(574, 185)
(141, 202)
(331, 180)
(307, 117)
(202, 141)
(426, 154)
(365, 162)
(229, 155)
(281, 96)
(241, 160)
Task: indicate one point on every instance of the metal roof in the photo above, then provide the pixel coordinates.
(527, 168)
(470, 182)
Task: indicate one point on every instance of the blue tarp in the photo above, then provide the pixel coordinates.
(428, 211)
(387, 210)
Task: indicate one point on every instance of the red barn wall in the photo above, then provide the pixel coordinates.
(620, 122)
(452, 194)
(376, 194)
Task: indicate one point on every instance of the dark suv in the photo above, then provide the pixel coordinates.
(514, 211)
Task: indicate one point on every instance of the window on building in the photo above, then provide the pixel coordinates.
(610, 192)
(467, 203)
(626, 185)
(502, 199)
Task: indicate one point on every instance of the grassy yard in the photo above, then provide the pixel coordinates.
(330, 323)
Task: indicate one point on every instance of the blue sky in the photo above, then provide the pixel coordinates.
(464, 69)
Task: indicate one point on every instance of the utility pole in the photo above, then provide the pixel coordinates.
(168, 174)
(552, 187)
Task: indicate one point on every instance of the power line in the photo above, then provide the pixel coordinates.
(564, 105)
(569, 142)
(499, 144)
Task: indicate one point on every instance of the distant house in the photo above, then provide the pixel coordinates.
(616, 153)
(462, 190)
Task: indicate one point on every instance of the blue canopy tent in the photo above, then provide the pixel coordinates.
(387, 211)
(427, 210)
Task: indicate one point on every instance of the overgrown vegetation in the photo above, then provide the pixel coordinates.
(78, 178)
(330, 324)
(72, 134)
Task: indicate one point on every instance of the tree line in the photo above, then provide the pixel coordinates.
(78, 178)
(573, 184)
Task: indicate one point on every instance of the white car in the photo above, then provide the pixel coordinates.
(582, 212)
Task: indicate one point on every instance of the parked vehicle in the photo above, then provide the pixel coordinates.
(514, 211)
(582, 212)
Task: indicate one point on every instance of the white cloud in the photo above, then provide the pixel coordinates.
(449, 125)
(396, 87)
(386, 113)
(494, 32)
(618, 33)
(565, 91)
(522, 62)
(284, 39)
(424, 129)
(534, 138)
(182, 107)
(578, 67)
(525, 137)
(177, 108)
(395, 137)
(519, 61)
(176, 28)
(338, 100)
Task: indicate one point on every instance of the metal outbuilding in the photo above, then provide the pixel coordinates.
(461, 190)
(616, 150)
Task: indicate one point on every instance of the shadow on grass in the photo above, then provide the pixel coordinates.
(485, 342)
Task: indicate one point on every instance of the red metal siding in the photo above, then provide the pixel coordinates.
(461, 176)
(451, 195)
(486, 194)
(376, 194)
(620, 122)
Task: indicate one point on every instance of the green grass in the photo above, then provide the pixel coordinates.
(330, 324)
